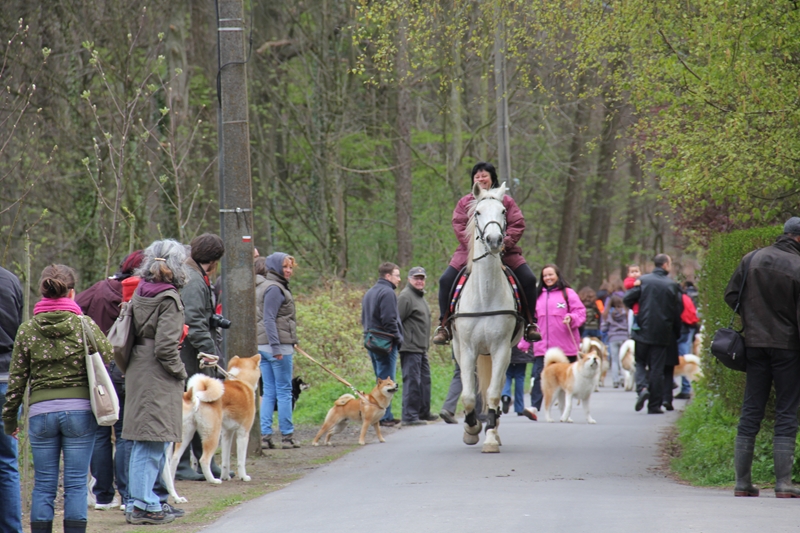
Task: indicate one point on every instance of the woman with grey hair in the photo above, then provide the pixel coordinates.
(154, 379)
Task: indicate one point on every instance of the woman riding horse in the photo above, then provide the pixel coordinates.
(485, 175)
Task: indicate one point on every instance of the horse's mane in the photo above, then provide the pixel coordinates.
(491, 193)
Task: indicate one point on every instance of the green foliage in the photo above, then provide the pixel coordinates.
(725, 386)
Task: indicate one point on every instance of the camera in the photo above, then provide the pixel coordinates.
(219, 321)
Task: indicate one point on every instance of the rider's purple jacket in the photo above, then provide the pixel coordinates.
(551, 308)
(515, 226)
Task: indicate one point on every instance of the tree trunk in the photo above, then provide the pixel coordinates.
(632, 215)
(402, 150)
(602, 194)
(567, 256)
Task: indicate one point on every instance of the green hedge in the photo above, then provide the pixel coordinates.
(723, 256)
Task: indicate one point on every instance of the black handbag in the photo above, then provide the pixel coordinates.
(378, 341)
(728, 344)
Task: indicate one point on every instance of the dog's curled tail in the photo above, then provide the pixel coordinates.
(205, 389)
(691, 358)
(554, 355)
(344, 398)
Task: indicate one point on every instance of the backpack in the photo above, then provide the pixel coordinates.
(121, 336)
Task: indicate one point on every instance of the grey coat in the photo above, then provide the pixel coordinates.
(415, 316)
(155, 376)
(198, 302)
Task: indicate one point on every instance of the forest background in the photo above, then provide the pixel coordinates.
(633, 127)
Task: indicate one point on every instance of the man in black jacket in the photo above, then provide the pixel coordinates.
(379, 312)
(10, 320)
(659, 322)
(769, 305)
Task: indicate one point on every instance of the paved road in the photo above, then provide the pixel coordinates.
(548, 477)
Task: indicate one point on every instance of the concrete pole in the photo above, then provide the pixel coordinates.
(235, 191)
(501, 95)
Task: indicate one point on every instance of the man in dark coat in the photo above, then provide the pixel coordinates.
(769, 305)
(659, 321)
(10, 319)
(379, 312)
(199, 305)
(415, 315)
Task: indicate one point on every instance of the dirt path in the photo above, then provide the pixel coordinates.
(207, 502)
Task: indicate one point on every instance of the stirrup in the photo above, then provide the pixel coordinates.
(532, 333)
(441, 336)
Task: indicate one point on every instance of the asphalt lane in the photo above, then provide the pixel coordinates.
(548, 477)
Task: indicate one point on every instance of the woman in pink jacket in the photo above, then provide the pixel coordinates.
(485, 175)
(559, 313)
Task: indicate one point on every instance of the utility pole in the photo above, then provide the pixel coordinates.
(235, 190)
(501, 95)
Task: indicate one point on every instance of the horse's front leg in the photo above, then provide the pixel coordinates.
(500, 359)
(472, 426)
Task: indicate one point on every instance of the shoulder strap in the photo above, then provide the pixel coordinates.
(741, 289)
(87, 332)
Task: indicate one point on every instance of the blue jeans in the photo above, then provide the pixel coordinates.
(385, 366)
(102, 465)
(11, 515)
(684, 347)
(516, 373)
(70, 432)
(277, 378)
(146, 462)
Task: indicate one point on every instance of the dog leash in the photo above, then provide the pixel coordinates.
(332, 373)
(208, 360)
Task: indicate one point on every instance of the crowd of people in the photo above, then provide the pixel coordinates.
(175, 311)
(174, 308)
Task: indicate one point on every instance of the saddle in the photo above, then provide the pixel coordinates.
(520, 302)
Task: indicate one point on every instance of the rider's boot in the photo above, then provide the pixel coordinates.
(532, 333)
(441, 336)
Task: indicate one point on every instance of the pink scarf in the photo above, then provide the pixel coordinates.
(46, 305)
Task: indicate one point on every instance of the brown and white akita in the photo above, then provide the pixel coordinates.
(369, 410)
(569, 381)
(214, 408)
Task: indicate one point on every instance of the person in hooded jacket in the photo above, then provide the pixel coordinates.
(102, 303)
(615, 327)
(485, 176)
(50, 354)
(154, 379)
(276, 326)
(560, 314)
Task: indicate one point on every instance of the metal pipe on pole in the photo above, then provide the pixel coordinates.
(235, 190)
(501, 102)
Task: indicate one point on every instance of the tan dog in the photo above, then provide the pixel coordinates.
(627, 361)
(217, 409)
(369, 410)
(593, 344)
(569, 381)
(688, 367)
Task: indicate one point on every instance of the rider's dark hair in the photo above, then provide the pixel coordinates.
(561, 283)
(488, 167)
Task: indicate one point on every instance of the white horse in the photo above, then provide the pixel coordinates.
(485, 319)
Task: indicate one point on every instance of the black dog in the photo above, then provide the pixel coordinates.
(298, 386)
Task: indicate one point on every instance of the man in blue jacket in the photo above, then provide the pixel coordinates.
(379, 312)
(10, 319)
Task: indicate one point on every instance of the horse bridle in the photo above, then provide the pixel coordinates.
(482, 231)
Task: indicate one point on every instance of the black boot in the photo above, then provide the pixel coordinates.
(185, 471)
(43, 527)
(783, 455)
(532, 333)
(74, 526)
(742, 462)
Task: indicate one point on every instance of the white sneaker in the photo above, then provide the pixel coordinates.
(107, 506)
(122, 507)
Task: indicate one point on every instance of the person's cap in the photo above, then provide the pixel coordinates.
(419, 271)
(792, 226)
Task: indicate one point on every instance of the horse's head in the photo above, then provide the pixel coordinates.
(488, 220)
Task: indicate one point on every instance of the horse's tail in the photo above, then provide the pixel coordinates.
(484, 367)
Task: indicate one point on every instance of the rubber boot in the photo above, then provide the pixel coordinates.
(74, 526)
(185, 471)
(742, 463)
(42, 527)
(783, 455)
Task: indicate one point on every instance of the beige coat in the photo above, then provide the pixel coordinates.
(155, 376)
